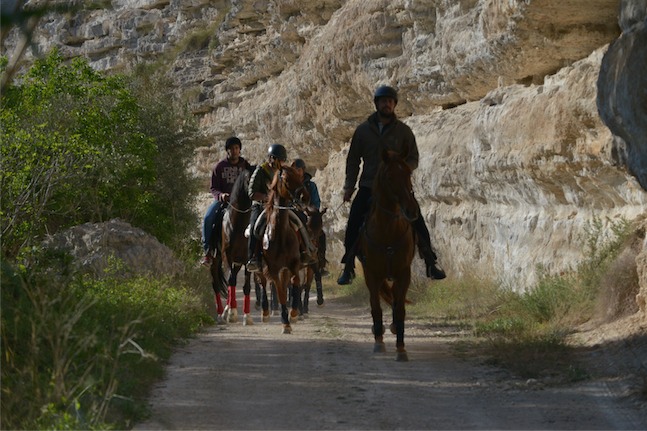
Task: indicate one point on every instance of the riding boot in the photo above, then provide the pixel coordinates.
(254, 262)
(434, 271)
(348, 274)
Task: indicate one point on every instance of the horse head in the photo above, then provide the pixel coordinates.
(287, 186)
(394, 187)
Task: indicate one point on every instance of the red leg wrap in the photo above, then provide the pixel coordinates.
(219, 306)
(231, 300)
(246, 304)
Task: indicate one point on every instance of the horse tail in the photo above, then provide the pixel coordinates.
(385, 293)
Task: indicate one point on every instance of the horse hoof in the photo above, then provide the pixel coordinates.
(402, 357)
(247, 320)
(379, 348)
(265, 318)
(320, 302)
(233, 315)
(220, 320)
(257, 306)
(287, 329)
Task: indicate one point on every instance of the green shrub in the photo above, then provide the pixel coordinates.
(80, 352)
(79, 146)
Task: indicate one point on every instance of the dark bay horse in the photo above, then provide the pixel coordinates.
(387, 246)
(315, 227)
(232, 252)
(281, 251)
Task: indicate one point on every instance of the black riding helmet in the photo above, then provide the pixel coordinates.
(278, 151)
(233, 141)
(385, 91)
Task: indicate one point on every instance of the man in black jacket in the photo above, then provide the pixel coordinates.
(382, 130)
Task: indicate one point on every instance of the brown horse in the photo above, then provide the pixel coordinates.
(232, 252)
(281, 250)
(387, 246)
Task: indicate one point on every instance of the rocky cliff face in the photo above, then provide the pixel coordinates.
(504, 97)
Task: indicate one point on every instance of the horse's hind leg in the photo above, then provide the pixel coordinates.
(231, 298)
(295, 301)
(217, 286)
(305, 307)
(319, 284)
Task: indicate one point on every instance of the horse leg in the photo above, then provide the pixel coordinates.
(297, 306)
(306, 298)
(376, 313)
(399, 314)
(247, 288)
(282, 294)
(275, 298)
(231, 298)
(259, 294)
(219, 309)
(265, 305)
(217, 286)
(319, 284)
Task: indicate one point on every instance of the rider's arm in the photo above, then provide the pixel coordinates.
(258, 185)
(216, 181)
(352, 161)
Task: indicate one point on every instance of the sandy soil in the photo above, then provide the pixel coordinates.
(325, 376)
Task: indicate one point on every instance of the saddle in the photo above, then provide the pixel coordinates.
(302, 232)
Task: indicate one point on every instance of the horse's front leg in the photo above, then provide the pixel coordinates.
(376, 312)
(295, 288)
(265, 305)
(247, 288)
(282, 292)
(399, 314)
(258, 291)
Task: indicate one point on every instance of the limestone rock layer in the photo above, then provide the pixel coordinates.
(529, 114)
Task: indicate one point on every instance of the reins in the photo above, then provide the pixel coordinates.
(239, 211)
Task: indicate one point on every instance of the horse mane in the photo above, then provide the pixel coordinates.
(288, 188)
(239, 197)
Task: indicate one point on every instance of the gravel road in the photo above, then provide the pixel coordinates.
(325, 376)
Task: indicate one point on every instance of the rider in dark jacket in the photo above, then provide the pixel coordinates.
(382, 130)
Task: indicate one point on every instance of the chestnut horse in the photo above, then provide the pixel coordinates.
(232, 251)
(281, 251)
(387, 246)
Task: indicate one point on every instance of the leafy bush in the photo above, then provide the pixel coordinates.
(80, 146)
(79, 352)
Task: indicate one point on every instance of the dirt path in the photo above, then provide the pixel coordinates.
(325, 376)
